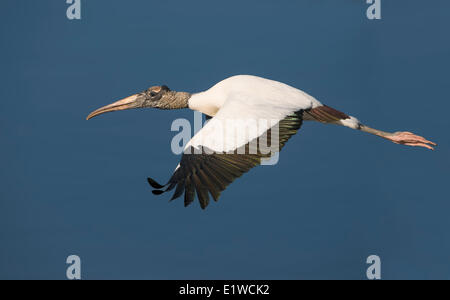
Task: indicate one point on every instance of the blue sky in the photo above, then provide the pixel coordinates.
(70, 186)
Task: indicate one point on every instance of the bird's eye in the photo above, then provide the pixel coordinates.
(152, 94)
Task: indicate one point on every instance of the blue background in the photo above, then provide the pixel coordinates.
(70, 186)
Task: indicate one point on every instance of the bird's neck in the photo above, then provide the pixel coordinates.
(175, 100)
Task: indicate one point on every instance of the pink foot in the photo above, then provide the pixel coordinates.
(410, 139)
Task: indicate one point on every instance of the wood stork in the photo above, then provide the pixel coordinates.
(241, 97)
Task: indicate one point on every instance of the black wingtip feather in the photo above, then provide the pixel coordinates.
(157, 192)
(179, 191)
(154, 184)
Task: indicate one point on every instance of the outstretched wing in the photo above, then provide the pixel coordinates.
(239, 136)
(209, 172)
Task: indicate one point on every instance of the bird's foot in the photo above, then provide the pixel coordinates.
(410, 139)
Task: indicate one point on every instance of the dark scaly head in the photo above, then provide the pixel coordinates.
(154, 97)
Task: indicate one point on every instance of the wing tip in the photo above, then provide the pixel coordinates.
(157, 192)
(154, 184)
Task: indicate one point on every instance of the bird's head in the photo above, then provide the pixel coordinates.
(154, 97)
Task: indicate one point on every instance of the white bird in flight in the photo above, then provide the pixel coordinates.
(244, 112)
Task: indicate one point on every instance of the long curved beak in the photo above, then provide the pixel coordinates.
(126, 103)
